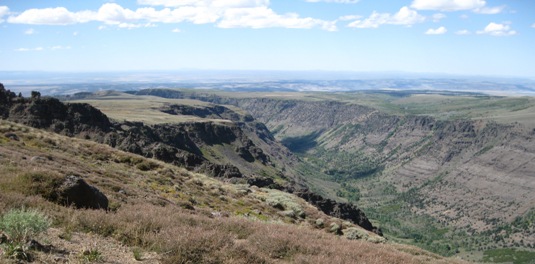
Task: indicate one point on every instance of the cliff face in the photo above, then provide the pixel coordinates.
(177, 143)
(475, 175)
(228, 145)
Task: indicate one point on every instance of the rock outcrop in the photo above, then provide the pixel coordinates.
(76, 192)
(340, 210)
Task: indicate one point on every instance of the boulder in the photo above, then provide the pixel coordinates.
(263, 182)
(75, 191)
(12, 136)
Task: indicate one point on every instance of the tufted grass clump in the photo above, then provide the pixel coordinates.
(22, 224)
(91, 255)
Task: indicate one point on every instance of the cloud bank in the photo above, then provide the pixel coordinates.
(477, 6)
(223, 13)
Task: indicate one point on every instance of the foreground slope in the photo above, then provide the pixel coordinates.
(160, 213)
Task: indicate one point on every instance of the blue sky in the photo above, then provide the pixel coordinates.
(470, 37)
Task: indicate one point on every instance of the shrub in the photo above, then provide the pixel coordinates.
(91, 255)
(22, 224)
(39, 183)
(147, 165)
(138, 255)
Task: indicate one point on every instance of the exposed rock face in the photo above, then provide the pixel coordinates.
(212, 112)
(264, 182)
(340, 210)
(75, 191)
(220, 171)
(485, 166)
(50, 113)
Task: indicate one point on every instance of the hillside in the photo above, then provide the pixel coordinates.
(199, 219)
(452, 174)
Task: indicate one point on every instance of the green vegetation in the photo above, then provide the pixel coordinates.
(509, 255)
(301, 144)
(43, 183)
(399, 224)
(91, 255)
(138, 254)
(349, 192)
(22, 224)
(343, 165)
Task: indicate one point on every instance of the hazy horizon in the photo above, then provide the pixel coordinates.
(472, 37)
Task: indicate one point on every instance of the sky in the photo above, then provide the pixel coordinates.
(468, 37)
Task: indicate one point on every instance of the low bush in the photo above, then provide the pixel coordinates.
(22, 224)
(91, 255)
(44, 184)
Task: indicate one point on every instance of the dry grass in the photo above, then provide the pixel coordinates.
(172, 215)
(122, 106)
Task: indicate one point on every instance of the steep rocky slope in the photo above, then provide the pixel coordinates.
(235, 149)
(161, 213)
(449, 185)
(470, 175)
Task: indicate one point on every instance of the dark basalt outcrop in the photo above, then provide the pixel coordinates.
(214, 112)
(340, 210)
(174, 143)
(75, 191)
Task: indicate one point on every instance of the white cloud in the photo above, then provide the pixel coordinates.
(490, 10)
(4, 10)
(405, 16)
(176, 30)
(225, 13)
(206, 3)
(75, 33)
(498, 30)
(263, 17)
(349, 17)
(51, 16)
(133, 25)
(533, 26)
(29, 31)
(27, 49)
(335, 1)
(60, 47)
(437, 17)
(438, 31)
(463, 32)
(114, 14)
(448, 5)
